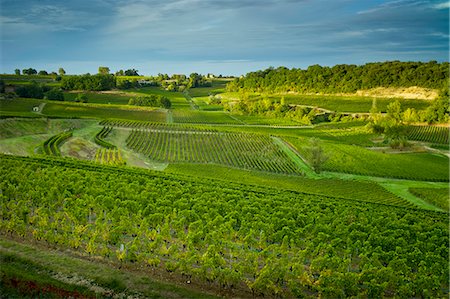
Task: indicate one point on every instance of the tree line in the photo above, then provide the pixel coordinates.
(345, 78)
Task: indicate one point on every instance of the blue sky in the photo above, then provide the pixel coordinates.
(218, 36)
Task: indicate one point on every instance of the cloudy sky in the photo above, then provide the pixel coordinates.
(218, 36)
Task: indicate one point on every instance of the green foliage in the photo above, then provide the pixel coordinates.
(102, 134)
(432, 134)
(345, 78)
(153, 100)
(278, 242)
(88, 82)
(103, 70)
(109, 156)
(357, 160)
(33, 90)
(75, 110)
(81, 97)
(51, 145)
(202, 117)
(29, 71)
(316, 155)
(237, 150)
(97, 97)
(438, 112)
(348, 189)
(54, 94)
(439, 197)
(61, 71)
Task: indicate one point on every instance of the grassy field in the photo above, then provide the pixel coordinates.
(19, 107)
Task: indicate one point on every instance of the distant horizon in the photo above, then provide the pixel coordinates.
(112, 72)
(232, 37)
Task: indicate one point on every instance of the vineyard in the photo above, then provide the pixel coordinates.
(154, 125)
(250, 151)
(439, 197)
(357, 160)
(102, 134)
(431, 134)
(270, 242)
(203, 117)
(109, 156)
(51, 145)
(353, 190)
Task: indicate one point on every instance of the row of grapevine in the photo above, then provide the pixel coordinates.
(275, 243)
(362, 161)
(51, 145)
(109, 156)
(430, 134)
(439, 197)
(102, 134)
(152, 125)
(203, 117)
(249, 151)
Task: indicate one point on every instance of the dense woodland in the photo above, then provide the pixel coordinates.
(345, 78)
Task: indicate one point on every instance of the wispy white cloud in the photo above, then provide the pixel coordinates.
(442, 5)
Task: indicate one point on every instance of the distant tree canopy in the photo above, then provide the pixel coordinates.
(131, 72)
(152, 100)
(32, 90)
(88, 82)
(29, 71)
(54, 94)
(345, 78)
(103, 70)
(61, 71)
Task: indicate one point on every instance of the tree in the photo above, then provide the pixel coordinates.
(81, 97)
(317, 157)
(131, 72)
(61, 71)
(438, 111)
(32, 90)
(17, 71)
(54, 94)
(43, 73)
(394, 112)
(29, 71)
(103, 70)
